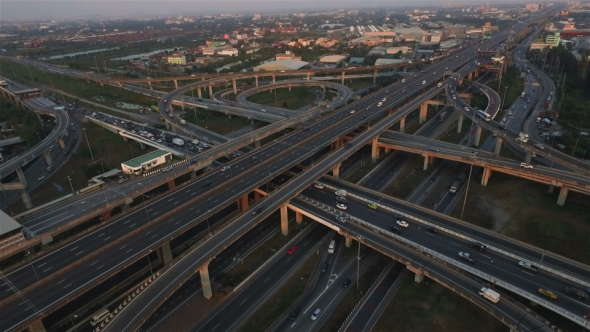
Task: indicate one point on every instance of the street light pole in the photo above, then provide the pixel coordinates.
(358, 264)
(71, 186)
(504, 98)
(71, 320)
(466, 191)
(150, 262)
(84, 130)
(28, 253)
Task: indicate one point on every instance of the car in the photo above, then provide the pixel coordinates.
(346, 283)
(525, 165)
(384, 99)
(395, 229)
(341, 206)
(466, 256)
(262, 110)
(294, 313)
(257, 210)
(433, 149)
(402, 223)
(316, 313)
(509, 112)
(352, 111)
(253, 159)
(41, 177)
(431, 229)
(291, 250)
(477, 246)
(224, 168)
(318, 185)
(527, 265)
(575, 292)
(207, 183)
(547, 293)
(540, 146)
(165, 100)
(324, 267)
(341, 218)
(363, 117)
(341, 199)
(372, 206)
(466, 109)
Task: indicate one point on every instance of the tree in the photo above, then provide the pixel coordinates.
(188, 71)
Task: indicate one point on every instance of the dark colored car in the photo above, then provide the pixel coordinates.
(477, 246)
(324, 267)
(395, 229)
(257, 210)
(253, 159)
(207, 183)
(346, 283)
(294, 314)
(431, 229)
(347, 145)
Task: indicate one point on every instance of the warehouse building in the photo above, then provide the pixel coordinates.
(146, 162)
(284, 64)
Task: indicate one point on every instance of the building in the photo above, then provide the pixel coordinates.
(10, 232)
(532, 7)
(553, 39)
(242, 36)
(305, 42)
(332, 58)
(431, 38)
(177, 60)
(287, 55)
(285, 64)
(334, 34)
(325, 42)
(146, 162)
(397, 49)
(383, 62)
(454, 31)
(229, 52)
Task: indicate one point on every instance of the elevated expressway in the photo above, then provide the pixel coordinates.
(490, 162)
(174, 207)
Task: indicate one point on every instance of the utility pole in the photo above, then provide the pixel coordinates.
(84, 131)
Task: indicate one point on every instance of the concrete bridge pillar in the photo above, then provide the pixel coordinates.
(470, 75)
(257, 196)
(298, 217)
(150, 85)
(193, 175)
(62, 144)
(171, 185)
(176, 84)
(205, 281)
(36, 326)
(374, 149)
(477, 135)
(498, 146)
(487, 172)
(167, 125)
(210, 91)
(284, 219)
(423, 112)
(528, 156)
(257, 144)
(375, 76)
(419, 274)
(308, 76)
(21, 176)
(235, 86)
(348, 241)
(165, 254)
(273, 79)
(119, 84)
(425, 168)
(336, 170)
(289, 87)
(182, 102)
(199, 93)
(24, 195)
(387, 150)
(562, 195)
(551, 188)
(245, 203)
(141, 146)
(402, 124)
(256, 78)
(343, 73)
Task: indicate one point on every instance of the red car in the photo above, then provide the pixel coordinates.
(291, 250)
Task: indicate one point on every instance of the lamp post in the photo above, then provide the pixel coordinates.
(466, 191)
(71, 320)
(149, 261)
(358, 263)
(71, 186)
(28, 253)
(84, 131)
(504, 98)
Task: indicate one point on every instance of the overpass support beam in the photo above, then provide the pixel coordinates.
(62, 145)
(24, 195)
(298, 217)
(48, 157)
(256, 78)
(245, 203)
(426, 158)
(419, 274)
(551, 189)
(36, 326)
(342, 78)
(171, 185)
(402, 124)
(21, 176)
(273, 79)
(460, 123)
(562, 195)
(199, 93)
(375, 77)
(308, 76)
(150, 85)
(423, 112)
(487, 172)
(257, 144)
(498, 146)
(336, 170)
(284, 219)
(235, 87)
(348, 241)
(205, 281)
(165, 254)
(528, 156)
(176, 84)
(141, 146)
(210, 91)
(374, 149)
(477, 136)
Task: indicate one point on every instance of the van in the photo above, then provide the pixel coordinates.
(332, 247)
(182, 121)
(99, 316)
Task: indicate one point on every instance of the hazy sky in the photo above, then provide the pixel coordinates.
(11, 10)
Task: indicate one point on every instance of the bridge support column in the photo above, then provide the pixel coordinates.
(36, 326)
(336, 170)
(199, 93)
(498, 146)
(62, 145)
(171, 185)
(21, 176)
(342, 78)
(419, 274)
(24, 195)
(141, 146)
(298, 217)
(210, 91)
(459, 123)
(256, 78)
(470, 75)
(562, 195)
(273, 79)
(528, 156)
(284, 220)
(245, 203)
(423, 112)
(48, 157)
(402, 124)
(165, 254)
(348, 241)
(235, 87)
(308, 76)
(387, 150)
(150, 85)
(375, 77)
(551, 188)
(425, 168)
(176, 84)
(257, 196)
(257, 144)
(205, 281)
(193, 175)
(487, 172)
(477, 135)
(374, 149)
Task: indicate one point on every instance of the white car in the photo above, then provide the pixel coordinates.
(224, 168)
(466, 256)
(351, 112)
(316, 314)
(319, 185)
(262, 110)
(41, 177)
(402, 223)
(379, 104)
(466, 109)
(540, 146)
(525, 165)
(384, 99)
(509, 112)
(341, 206)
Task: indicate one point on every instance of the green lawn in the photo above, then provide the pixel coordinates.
(294, 99)
(514, 84)
(215, 121)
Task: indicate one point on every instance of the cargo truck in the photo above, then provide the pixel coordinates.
(523, 137)
(178, 141)
(341, 193)
(539, 117)
(489, 294)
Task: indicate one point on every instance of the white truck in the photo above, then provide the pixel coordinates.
(341, 193)
(178, 141)
(489, 294)
(523, 94)
(523, 137)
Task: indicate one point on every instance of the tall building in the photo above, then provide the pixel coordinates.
(553, 39)
(335, 34)
(533, 7)
(177, 60)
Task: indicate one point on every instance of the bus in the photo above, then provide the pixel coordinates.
(484, 115)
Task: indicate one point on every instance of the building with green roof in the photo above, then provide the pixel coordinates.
(145, 162)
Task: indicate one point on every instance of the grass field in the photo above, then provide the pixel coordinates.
(216, 122)
(295, 99)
